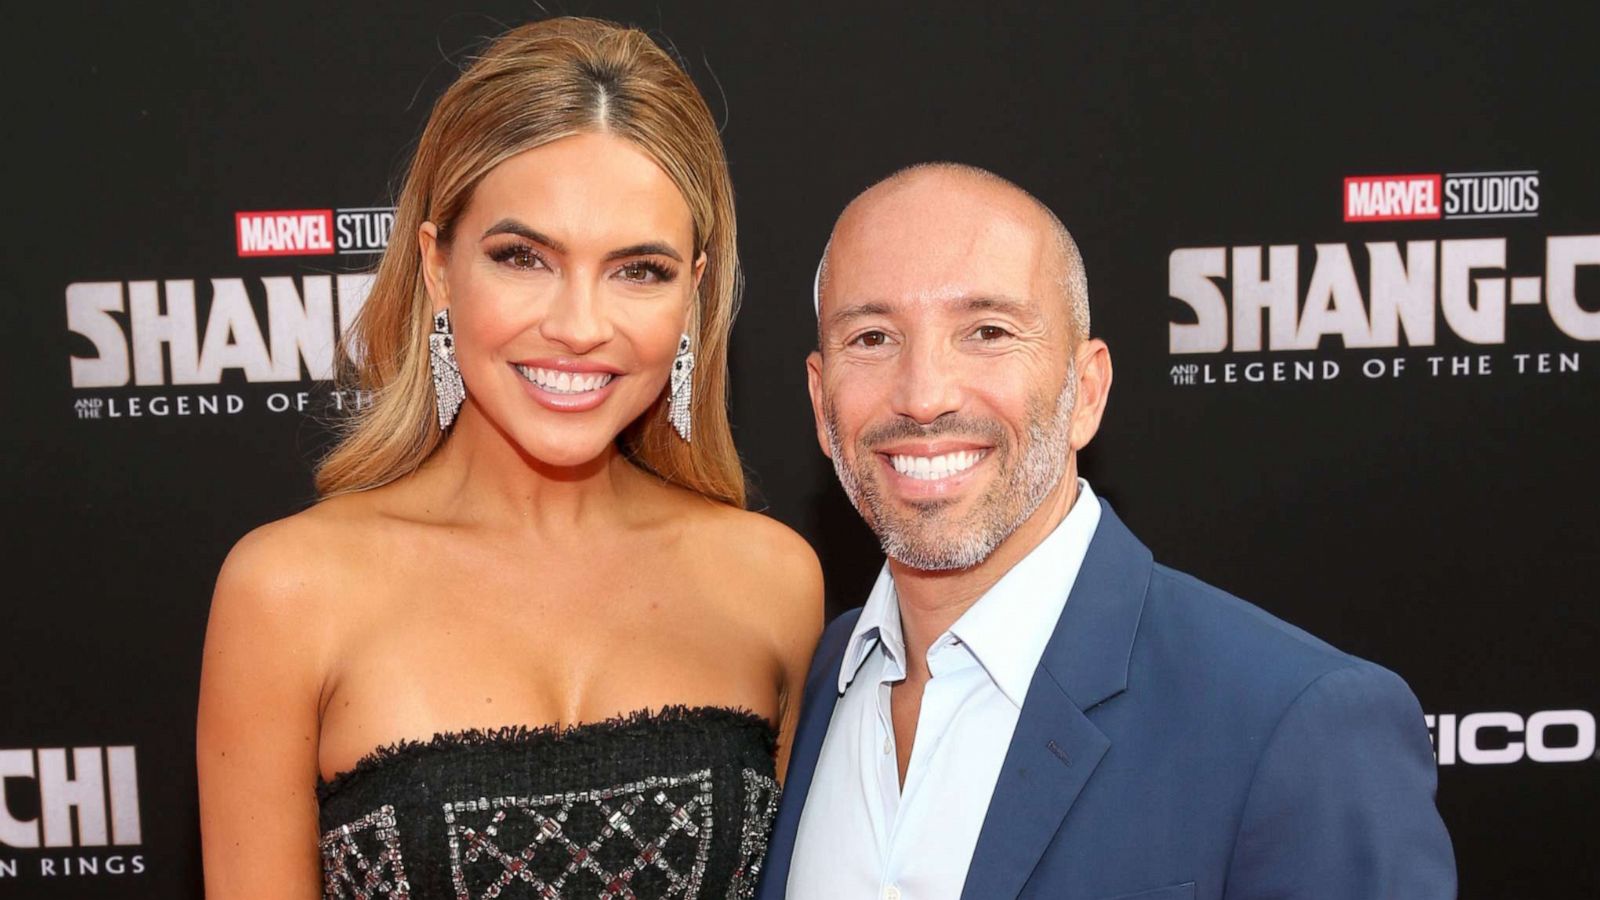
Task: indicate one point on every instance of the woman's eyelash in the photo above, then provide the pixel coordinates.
(661, 271)
(525, 257)
(511, 252)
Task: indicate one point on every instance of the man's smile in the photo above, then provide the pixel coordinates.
(933, 468)
(924, 469)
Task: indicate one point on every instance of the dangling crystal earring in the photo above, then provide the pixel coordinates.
(678, 408)
(448, 390)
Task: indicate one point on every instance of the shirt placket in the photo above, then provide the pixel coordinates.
(941, 700)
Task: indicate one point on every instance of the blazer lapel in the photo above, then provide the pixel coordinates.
(821, 696)
(1055, 748)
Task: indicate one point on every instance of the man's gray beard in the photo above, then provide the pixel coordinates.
(1015, 495)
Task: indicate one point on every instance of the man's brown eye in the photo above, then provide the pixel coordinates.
(872, 339)
(991, 332)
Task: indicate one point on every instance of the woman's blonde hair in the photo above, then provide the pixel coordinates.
(534, 85)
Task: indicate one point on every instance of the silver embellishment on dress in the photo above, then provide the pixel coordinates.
(354, 869)
(761, 795)
(594, 843)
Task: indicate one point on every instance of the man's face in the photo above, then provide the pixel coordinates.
(945, 385)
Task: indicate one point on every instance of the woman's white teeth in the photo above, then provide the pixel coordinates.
(929, 468)
(558, 382)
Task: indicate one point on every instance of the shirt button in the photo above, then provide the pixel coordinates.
(891, 893)
(888, 748)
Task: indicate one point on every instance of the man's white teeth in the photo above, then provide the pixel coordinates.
(930, 468)
(558, 382)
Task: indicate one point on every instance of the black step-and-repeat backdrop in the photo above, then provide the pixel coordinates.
(1348, 262)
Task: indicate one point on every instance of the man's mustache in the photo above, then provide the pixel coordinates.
(901, 428)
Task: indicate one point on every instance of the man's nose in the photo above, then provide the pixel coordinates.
(927, 384)
(577, 318)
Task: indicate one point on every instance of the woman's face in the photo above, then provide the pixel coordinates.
(569, 277)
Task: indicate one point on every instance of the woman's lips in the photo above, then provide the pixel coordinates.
(566, 389)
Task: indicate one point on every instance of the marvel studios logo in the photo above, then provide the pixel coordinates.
(1460, 195)
(313, 232)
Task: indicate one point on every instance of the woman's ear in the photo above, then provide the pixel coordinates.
(697, 273)
(433, 263)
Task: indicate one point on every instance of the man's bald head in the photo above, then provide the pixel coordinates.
(1064, 259)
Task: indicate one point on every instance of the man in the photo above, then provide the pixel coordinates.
(1027, 705)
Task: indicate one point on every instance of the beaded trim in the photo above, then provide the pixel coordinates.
(517, 735)
(350, 874)
(761, 795)
(647, 814)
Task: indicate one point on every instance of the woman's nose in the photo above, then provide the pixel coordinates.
(577, 317)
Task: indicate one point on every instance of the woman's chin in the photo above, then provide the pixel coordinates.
(578, 454)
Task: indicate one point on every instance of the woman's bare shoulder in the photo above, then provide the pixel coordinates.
(760, 558)
(290, 567)
(766, 544)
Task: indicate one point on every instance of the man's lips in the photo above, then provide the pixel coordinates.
(932, 461)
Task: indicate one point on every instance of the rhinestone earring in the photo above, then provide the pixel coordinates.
(448, 390)
(678, 408)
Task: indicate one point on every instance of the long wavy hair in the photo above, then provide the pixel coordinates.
(536, 84)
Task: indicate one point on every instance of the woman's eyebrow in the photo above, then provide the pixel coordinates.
(512, 226)
(649, 248)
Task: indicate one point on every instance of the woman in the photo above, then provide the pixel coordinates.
(529, 644)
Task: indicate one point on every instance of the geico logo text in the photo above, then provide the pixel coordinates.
(1491, 738)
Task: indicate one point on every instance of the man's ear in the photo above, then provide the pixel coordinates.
(814, 385)
(433, 261)
(1093, 361)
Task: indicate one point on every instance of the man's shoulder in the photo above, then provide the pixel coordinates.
(1241, 649)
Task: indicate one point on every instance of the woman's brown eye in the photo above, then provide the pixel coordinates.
(517, 257)
(645, 272)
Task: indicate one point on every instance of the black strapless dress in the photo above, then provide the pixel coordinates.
(671, 804)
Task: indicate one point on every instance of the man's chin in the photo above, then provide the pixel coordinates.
(935, 557)
(916, 542)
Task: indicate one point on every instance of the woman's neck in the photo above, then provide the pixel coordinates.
(480, 476)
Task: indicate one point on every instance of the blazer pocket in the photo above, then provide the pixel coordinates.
(1183, 891)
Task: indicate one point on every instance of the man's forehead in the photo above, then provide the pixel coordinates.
(924, 260)
(935, 207)
(952, 300)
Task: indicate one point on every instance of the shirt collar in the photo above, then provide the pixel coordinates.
(879, 625)
(1008, 627)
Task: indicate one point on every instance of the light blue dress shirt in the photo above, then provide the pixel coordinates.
(863, 836)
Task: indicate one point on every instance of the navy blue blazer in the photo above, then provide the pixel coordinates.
(1177, 742)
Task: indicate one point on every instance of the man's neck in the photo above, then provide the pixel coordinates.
(931, 602)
